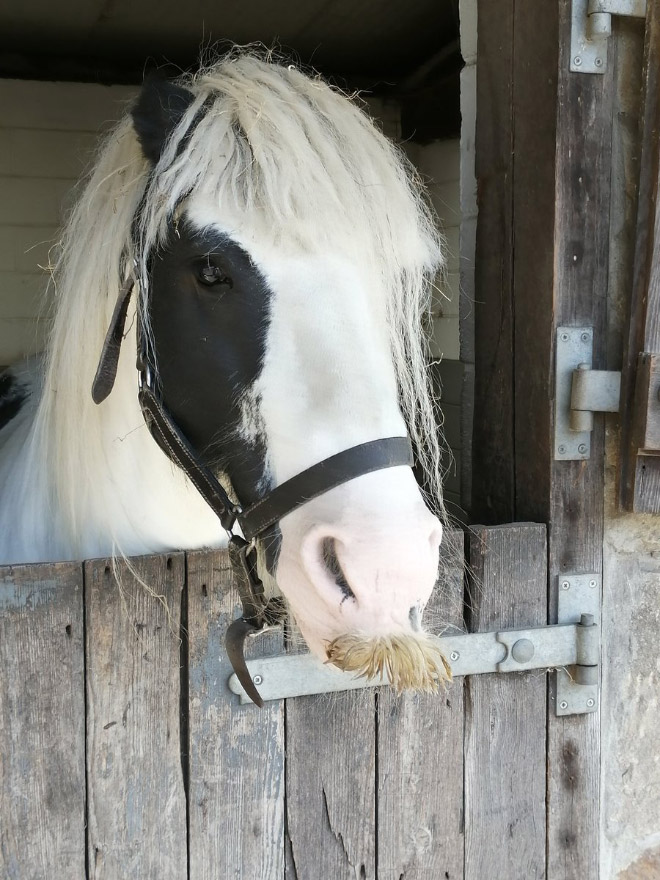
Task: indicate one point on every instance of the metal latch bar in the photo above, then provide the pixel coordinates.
(562, 645)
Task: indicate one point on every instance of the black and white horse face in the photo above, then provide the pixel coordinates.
(273, 356)
(209, 314)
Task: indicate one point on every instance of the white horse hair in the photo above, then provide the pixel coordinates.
(299, 166)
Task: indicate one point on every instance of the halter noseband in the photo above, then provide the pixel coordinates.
(258, 612)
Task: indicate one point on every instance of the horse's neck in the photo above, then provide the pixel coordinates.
(132, 501)
(153, 506)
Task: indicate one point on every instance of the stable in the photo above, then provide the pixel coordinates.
(129, 747)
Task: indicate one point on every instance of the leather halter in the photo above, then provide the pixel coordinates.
(258, 612)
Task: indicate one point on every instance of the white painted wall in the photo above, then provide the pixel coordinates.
(48, 132)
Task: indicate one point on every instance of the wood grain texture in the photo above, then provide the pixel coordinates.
(420, 757)
(534, 75)
(330, 786)
(236, 792)
(42, 722)
(330, 783)
(135, 792)
(640, 479)
(505, 814)
(576, 504)
(493, 451)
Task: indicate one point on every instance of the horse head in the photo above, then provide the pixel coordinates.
(275, 254)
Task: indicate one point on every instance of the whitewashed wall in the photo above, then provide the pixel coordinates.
(48, 132)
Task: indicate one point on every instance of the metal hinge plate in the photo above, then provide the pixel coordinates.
(591, 28)
(577, 686)
(570, 644)
(579, 393)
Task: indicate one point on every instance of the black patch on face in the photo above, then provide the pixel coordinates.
(209, 311)
(12, 397)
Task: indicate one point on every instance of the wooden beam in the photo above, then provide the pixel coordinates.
(42, 721)
(505, 715)
(640, 381)
(236, 764)
(557, 183)
(136, 802)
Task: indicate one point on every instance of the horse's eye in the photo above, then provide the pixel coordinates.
(211, 275)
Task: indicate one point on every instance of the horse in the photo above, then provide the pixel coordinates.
(250, 238)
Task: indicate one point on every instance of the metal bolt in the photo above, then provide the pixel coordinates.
(563, 705)
(564, 337)
(584, 338)
(258, 679)
(565, 585)
(582, 448)
(523, 651)
(598, 62)
(591, 702)
(561, 449)
(587, 620)
(577, 61)
(593, 584)
(454, 655)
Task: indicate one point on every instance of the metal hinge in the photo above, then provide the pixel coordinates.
(591, 28)
(579, 393)
(572, 646)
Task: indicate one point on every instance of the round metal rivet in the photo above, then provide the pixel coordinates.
(593, 583)
(591, 702)
(565, 585)
(523, 651)
(564, 337)
(563, 705)
(561, 450)
(598, 62)
(454, 655)
(585, 338)
(582, 448)
(577, 61)
(258, 679)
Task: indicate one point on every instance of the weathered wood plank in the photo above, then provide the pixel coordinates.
(493, 462)
(640, 479)
(330, 785)
(42, 722)
(420, 757)
(135, 792)
(236, 791)
(534, 75)
(576, 503)
(505, 715)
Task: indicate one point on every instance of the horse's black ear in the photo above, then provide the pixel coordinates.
(156, 113)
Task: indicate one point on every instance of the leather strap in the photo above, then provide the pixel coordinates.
(176, 447)
(320, 478)
(106, 372)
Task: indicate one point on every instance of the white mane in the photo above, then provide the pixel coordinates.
(308, 166)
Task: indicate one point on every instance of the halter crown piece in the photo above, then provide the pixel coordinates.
(258, 612)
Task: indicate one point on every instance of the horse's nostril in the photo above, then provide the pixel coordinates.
(332, 564)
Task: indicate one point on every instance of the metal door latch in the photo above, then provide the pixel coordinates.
(572, 646)
(579, 393)
(591, 28)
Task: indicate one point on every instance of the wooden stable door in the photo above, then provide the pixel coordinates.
(123, 754)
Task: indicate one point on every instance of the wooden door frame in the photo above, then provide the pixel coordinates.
(543, 159)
